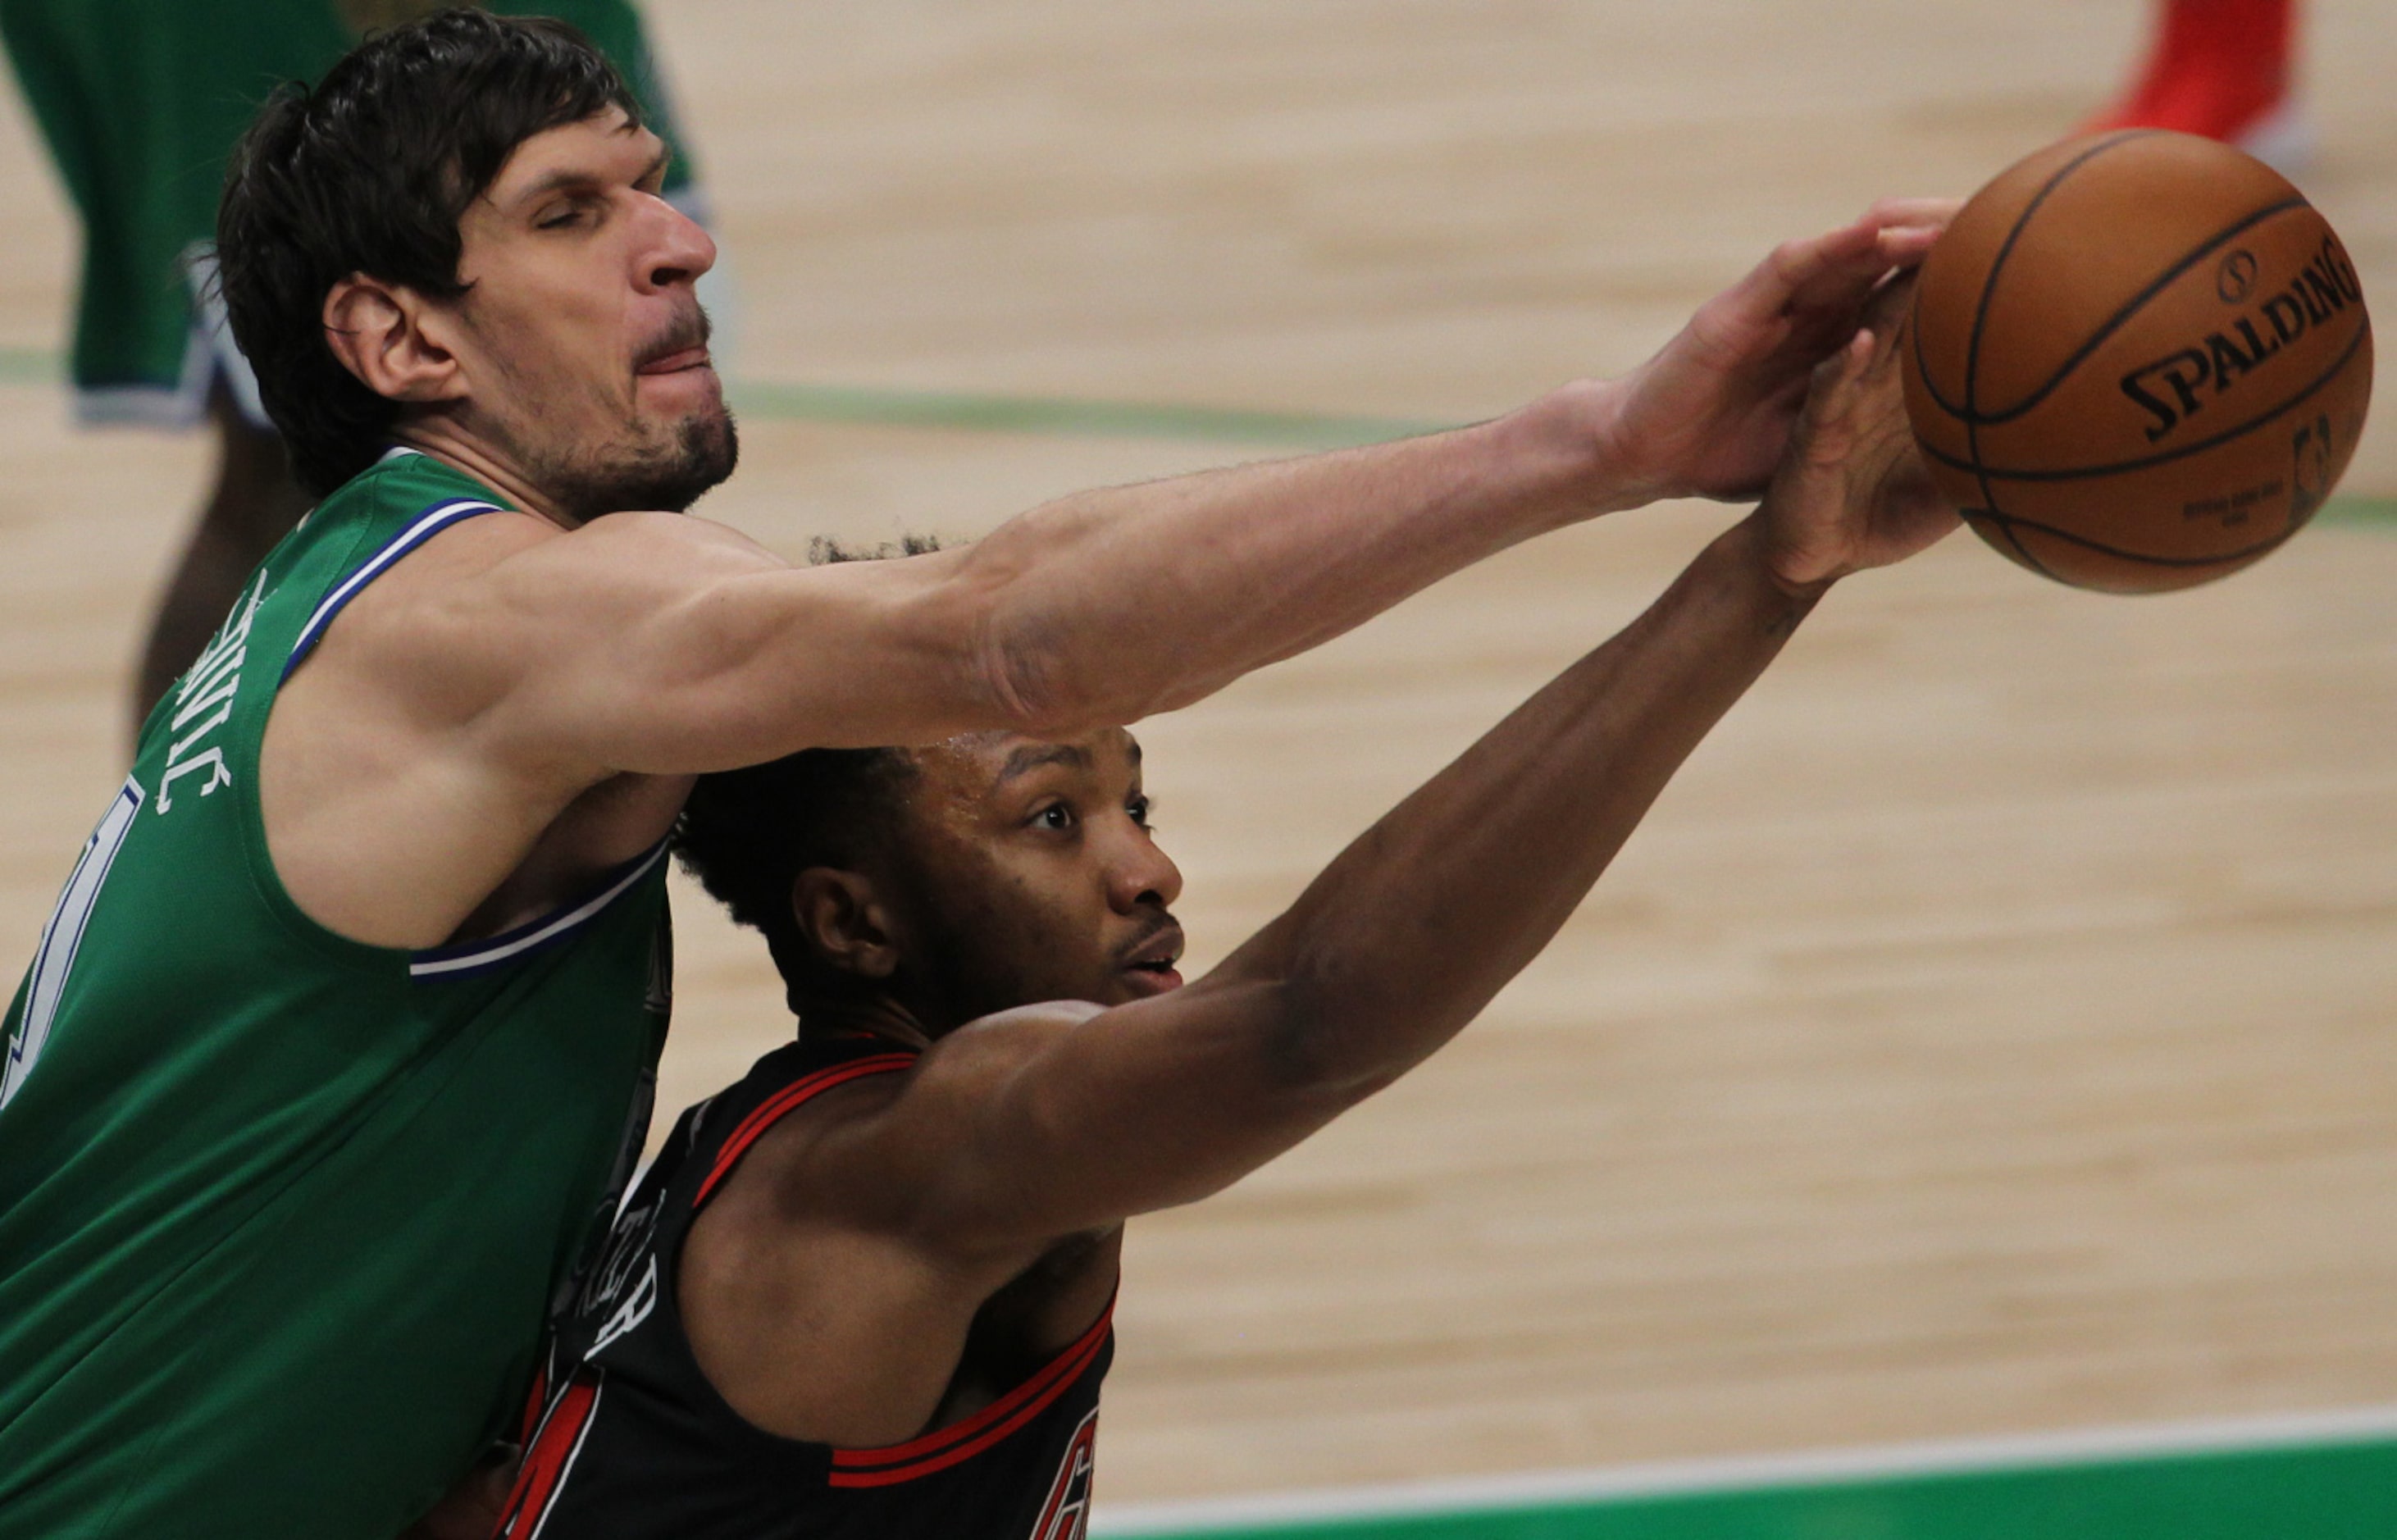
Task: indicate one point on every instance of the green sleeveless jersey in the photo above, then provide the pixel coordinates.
(281, 1214)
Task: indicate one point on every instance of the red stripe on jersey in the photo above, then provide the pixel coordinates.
(533, 1403)
(548, 1458)
(945, 1447)
(787, 1101)
(964, 1452)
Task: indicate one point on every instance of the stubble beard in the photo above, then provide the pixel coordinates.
(665, 474)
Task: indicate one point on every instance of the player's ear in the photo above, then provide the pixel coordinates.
(841, 916)
(376, 330)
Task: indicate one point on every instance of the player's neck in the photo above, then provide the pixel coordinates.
(441, 437)
(875, 1015)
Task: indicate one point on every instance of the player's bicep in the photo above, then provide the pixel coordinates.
(658, 644)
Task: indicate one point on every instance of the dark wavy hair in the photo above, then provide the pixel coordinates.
(368, 171)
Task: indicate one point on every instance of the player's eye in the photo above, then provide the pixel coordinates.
(1056, 815)
(560, 220)
(1139, 809)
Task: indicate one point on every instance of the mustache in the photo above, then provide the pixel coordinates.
(1162, 920)
(691, 329)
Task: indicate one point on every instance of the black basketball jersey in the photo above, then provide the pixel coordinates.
(626, 1439)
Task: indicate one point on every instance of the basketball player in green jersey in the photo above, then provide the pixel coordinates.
(335, 1040)
(140, 101)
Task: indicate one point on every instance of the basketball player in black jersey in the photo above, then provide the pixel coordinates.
(865, 1292)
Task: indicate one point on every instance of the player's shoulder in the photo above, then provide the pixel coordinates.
(655, 545)
(846, 1085)
(763, 1124)
(415, 500)
(964, 1064)
(1044, 1015)
(802, 1075)
(1005, 1037)
(405, 505)
(407, 481)
(404, 544)
(858, 1103)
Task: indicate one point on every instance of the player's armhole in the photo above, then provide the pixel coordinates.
(366, 560)
(929, 1454)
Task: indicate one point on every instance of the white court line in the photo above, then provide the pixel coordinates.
(1813, 1467)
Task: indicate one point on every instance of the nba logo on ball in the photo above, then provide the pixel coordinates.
(2138, 362)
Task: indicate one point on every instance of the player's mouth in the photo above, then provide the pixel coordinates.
(679, 361)
(682, 349)
(1148, 966)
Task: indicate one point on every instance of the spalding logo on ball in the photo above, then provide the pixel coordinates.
(2138, 361)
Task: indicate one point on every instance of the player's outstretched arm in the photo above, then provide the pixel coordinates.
(1045, 1121)
(648, 643)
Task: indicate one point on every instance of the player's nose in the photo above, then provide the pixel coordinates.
(677, 249)
(1141, 874)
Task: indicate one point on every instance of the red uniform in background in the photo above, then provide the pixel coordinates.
(2220, 68)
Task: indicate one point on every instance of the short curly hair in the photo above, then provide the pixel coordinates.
(747, 835)
(369, 171)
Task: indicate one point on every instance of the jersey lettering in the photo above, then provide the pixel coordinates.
(204, 702)
(1066, 1514)
(635, 1310)
(63, 936)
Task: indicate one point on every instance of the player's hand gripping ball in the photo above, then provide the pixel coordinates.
(2138, 361)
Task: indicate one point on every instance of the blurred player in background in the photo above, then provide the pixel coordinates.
(2222, 69)
(867, 1290)
(140, 100)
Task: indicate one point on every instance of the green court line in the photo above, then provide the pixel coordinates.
(2315, 1493)
(1063, 416)
(2361, 510)
(31, 367)
(971, 412)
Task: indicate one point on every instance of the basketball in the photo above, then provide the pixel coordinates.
(2138, 361)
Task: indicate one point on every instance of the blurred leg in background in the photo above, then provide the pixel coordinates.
(2223, 68)
(252, 503)
(140, 101)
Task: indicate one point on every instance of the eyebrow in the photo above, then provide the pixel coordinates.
(580, 176)
(1032, 756)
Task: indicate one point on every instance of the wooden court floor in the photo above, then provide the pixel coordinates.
(1993, 1030)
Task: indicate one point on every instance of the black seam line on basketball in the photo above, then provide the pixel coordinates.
(2006, 250)
(1990, 287)
(2006, 528)
(2114, 322)
(2245, 553)
(1986, 473)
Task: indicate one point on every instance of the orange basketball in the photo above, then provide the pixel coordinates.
(2138, 361)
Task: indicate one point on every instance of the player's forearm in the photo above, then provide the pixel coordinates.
(1388, 953)
(1109, 604)
(1097, 610)
(1261, 562)
(1407, 936)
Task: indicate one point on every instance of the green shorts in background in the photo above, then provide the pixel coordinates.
(141, 102)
